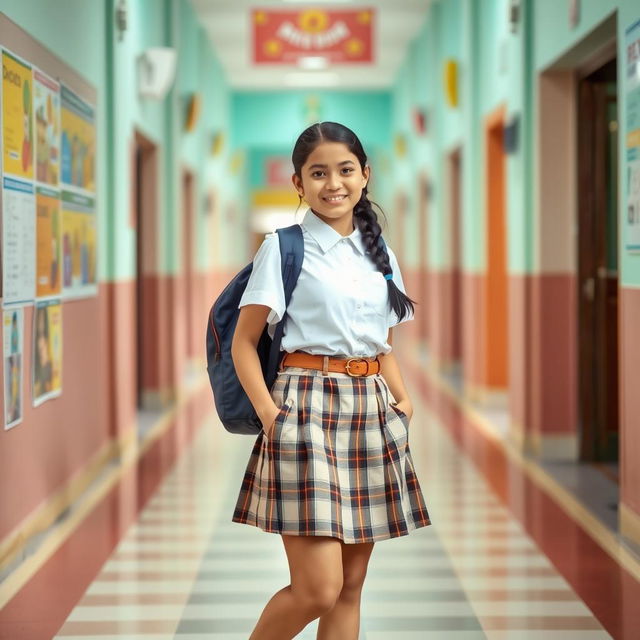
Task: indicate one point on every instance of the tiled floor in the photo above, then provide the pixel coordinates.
(185, 571)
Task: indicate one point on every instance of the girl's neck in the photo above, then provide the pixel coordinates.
(343, 225)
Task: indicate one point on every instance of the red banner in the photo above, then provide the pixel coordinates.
(282, 37)
(278, 171)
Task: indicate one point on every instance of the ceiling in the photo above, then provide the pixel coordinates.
(228, 24)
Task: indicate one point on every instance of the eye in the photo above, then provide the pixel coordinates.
(317, 174)
(347, 169)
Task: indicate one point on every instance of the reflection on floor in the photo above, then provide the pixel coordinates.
(184, 570)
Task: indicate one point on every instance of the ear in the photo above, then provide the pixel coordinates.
(297, 183)
(366, 175)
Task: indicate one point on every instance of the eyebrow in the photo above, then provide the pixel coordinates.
(324, 166)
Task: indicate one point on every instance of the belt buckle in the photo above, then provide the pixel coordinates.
(356, 375)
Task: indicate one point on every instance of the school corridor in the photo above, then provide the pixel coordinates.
(146, 151)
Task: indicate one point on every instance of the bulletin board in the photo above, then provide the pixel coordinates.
(47, 209)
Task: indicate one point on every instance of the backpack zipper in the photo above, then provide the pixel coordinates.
(215, 335)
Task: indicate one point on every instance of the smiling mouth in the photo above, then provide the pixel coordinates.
(334, 198)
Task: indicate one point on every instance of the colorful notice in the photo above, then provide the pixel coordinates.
(13, 341)
(47, 119)
(632, 103)
(78, 141)
(18, 241)
(17, 117)
(47, 351)
(339, 36)
(78, 245)
(48, 243)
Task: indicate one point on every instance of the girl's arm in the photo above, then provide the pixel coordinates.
(251, 322)
(390, 371)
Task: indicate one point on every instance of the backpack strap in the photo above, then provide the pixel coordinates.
(291, 256)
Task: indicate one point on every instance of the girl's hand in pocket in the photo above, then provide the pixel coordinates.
(406, 408)
(268, 420)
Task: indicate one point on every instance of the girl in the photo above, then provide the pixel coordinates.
(331, 472)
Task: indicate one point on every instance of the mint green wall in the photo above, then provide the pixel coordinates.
(83, 35)
(276, 118)
(257, 157)
(491, 60)
(267, 122)
(200, 71)
(555, 39)
(497, 68)
(75, 31)
(170, 23)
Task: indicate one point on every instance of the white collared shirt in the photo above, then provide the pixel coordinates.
(340, 303)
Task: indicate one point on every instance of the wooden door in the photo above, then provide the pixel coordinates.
(598, 264)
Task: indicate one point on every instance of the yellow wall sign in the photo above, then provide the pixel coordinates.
(451, 82)
(17, 112)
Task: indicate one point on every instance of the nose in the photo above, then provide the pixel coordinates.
(333, 181)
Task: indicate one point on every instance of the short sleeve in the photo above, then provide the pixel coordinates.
(397, 279)
(265, 282)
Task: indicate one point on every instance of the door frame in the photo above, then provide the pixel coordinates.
(496, 282)
(150, 358)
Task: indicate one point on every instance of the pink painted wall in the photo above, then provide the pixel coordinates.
(472, 314)
(554, 394)
(56, 439)
(520, 391)
(630, 398)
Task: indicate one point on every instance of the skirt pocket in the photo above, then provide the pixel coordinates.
(401, 414)
(281, 419)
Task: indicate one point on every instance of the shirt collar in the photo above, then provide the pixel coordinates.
(326, 236)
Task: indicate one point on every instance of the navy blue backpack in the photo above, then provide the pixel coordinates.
(232, 403)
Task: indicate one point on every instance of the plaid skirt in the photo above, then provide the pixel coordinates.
(337, 463)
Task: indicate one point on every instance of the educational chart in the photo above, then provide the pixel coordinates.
(632, 218)
(17, 117)
(47, 351)
(13, 348)
(78, 142)
(49, 231)
(48, 243)
(78, 245)
(18, 241)
(47, 119)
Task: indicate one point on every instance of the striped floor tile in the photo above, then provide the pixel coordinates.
(184, 570)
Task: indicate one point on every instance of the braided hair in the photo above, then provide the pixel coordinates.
(364, 216)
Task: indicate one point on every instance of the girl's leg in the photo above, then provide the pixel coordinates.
(343, 621)
(315, 565)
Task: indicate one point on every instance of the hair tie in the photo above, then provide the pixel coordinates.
(388, 276)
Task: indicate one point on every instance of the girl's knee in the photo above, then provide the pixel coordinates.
(319, 596)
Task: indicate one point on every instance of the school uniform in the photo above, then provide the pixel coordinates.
(338, 461)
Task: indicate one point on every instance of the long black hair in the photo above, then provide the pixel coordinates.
(364, 215)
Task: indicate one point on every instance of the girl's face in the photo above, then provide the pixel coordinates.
(331, 180)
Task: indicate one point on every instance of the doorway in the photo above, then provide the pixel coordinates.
(423, 252)
(597, 130)
(400, 222)
(188, 219)
(496, 328)
(455, 239)
(143, 193)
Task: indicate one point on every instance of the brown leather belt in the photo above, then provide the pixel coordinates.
(355, 367)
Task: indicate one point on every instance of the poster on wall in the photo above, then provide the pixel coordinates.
(47, 122)
(17, 117)
(632, 103)
(78, 245)
(48, 243)
(13, 348)
(78, 141)
(47, 351)
(18, 241)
